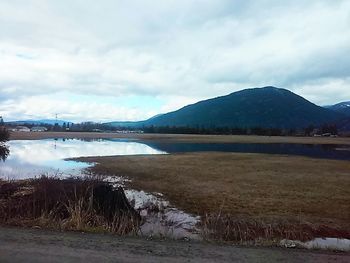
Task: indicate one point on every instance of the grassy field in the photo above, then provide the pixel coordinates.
(183, 138)
(245, 186)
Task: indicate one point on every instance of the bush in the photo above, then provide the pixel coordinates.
(4, 137)
(72, 204)
(4, 134)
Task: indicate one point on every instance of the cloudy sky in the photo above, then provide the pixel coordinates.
(131, 59)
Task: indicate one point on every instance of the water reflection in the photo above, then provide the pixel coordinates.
(29, 158)
(35, 157)
(324, 151)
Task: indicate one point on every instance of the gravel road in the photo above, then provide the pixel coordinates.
(35, 245)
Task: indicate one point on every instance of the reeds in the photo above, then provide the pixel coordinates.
(242, 230)
(67, 204)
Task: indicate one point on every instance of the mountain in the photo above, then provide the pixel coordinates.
(126, 124)
(132, 124)
(38, 122)
(267, 107)
(342, 107)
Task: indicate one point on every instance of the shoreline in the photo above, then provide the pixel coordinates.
(182, 137)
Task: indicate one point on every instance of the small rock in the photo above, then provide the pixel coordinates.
(288, 243)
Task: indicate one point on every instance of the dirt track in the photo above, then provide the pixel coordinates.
(29, 245)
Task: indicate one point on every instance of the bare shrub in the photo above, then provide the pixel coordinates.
(73, 204)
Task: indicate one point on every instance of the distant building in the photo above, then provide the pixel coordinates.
(21, 129)
(38, 129)
(128, 131)
(315, 132)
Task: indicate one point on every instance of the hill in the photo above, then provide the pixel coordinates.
(342, 107)
(268, 107)
(132, 124)
(126, 124)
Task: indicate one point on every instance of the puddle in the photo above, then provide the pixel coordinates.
(320, 243)
(343, 149)
(161, 219)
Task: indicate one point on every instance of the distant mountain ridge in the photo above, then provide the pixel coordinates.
(267, 107)
(258, 107)
(132, 124)
(38, 122)
(342, 107)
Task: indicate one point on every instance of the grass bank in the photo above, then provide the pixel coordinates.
(67, 204)
(241, 196)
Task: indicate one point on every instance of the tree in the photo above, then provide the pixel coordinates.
(4, 135)
(56, 127)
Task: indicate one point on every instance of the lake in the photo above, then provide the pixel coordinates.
(30, 158)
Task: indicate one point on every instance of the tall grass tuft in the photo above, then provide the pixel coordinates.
(225, 227)
(69, 204)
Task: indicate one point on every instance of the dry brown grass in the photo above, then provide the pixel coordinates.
(182, 137)
(226, 227)
(246, 186)
(67, 204)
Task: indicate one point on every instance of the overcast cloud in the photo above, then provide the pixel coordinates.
(128, 60)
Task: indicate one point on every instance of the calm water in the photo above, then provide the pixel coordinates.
(35, 157)
(30, 158)
(335, 152)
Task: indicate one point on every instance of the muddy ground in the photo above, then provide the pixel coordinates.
(35, 245)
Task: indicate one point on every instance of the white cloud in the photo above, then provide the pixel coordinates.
(176, 50)
(42, 107)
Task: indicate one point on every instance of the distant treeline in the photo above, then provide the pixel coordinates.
(309, 131)
(80, 127)
(100, 127)
(74, 127)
